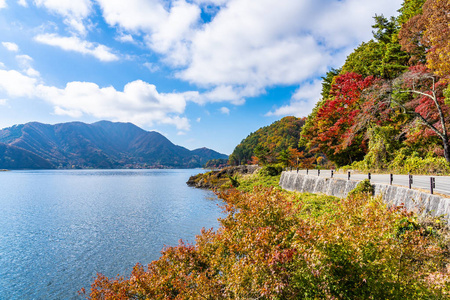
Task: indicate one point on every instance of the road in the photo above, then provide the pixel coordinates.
(422, 182)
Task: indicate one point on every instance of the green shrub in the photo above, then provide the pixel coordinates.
(271, 170)
(363, 187)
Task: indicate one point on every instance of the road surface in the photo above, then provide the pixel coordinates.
(442, 183)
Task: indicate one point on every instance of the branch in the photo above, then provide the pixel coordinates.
(425, 121)
(417, 92)
(433, 97)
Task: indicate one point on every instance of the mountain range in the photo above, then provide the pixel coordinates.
(102, 144)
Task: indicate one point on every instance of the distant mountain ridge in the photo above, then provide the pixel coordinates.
(102, 144)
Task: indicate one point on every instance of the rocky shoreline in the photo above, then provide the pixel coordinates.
(220, 178)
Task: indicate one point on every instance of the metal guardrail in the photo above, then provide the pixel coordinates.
(433, 184)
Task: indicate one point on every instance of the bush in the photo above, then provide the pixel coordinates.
(271, 170)
(363, 187)
(269, 247)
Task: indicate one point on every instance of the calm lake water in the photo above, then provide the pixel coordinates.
(59, 228)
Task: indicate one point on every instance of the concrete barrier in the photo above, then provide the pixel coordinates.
(412, 200)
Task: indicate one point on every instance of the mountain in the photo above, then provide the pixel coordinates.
(15, 158)
(102, 145)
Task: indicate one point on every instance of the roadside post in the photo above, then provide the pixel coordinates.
(432, 184)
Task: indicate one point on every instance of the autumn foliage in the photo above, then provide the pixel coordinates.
(276, 143)
(275, 245)
(390, 100)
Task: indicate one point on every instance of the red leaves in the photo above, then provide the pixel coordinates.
(334, 122)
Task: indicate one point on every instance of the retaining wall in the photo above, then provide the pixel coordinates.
(412, 200)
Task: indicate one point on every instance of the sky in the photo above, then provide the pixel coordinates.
(204, 73)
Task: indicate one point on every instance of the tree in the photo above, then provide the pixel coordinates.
(409, 9)
(428, 34)
(437, 35)
(426, 102)
(328, 81)
(382, 56)
(332, 120)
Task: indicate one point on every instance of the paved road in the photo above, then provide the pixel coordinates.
(419, 181)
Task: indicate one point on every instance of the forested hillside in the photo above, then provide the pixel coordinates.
(278, 142)
(388, 106)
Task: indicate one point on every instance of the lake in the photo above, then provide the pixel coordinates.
(58, 228)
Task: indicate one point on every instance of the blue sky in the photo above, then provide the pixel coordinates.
(205, 73)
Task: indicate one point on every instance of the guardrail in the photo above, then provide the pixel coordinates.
(431, 184)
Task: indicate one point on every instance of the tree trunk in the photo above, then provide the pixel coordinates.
(446, 149)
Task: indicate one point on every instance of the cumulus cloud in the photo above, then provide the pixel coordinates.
(3, 4)
(261, 44)
(167, 28)
(139, 102)
(74, 12)
(247, 46)
(11, 46)
(73, 43)
(244, 48)
(257, 44)
(15, 84)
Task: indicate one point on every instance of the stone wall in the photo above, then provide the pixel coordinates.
(412, 200)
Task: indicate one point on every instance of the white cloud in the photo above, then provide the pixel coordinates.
(248, 45)
(32, 72)
(125, 38)
(139, 103)
(11, 46)
(24, 60)
(15, 84)
(133, 15)
(3, 102)
(225, 110)
(74, 12)
(260, 44)
(73, 43)
(168, 27)
(23, 3)
(3, 4)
